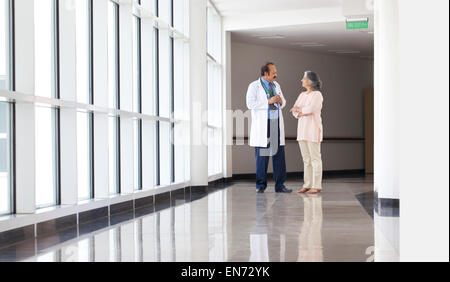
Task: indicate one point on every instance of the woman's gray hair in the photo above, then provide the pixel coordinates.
(314, 80)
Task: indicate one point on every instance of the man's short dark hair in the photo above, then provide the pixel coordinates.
(265, 69)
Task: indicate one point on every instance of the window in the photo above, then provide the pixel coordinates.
(159, 70)
(172, 94)
(6, 113)
(164, 50)
(156, 101)
(84, 95)
(5, 158)
(4, 44)
(180, 92)
(214, 78)
(47, 118)
(113, 97)
(137, 101)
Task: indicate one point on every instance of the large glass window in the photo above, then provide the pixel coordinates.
(4, 44)
(113, 97)
(164, 51)
(6, 149)
(84, 95)
(137, 100)
(46, 157)
(156, 101)
(47, 118)
(44, 44)
(214, 78)
(172, 93)
(5, 158)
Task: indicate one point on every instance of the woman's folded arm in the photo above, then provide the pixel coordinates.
(316, 105)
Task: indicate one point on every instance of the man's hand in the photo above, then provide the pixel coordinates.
(272, 100)
(280, 101)
(275, 99)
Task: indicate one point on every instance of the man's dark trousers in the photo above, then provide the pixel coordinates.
(278, 160)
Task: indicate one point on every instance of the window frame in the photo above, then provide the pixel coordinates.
(138, 142)
(55, 111)
(156, 77)
(90, 100)
(214, 62)
(172, 93)
(10, 108)
(116, 119)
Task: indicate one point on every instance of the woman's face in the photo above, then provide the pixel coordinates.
(305, 82)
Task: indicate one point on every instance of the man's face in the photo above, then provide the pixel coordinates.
(272, 75)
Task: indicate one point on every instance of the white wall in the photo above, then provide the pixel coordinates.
(423, 117)
(344, 81)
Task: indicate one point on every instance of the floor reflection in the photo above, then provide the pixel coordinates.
(259, 245)
(310, 247)
(235, 224)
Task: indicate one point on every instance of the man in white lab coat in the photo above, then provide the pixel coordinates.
(266, 101)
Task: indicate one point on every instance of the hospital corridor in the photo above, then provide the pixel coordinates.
(236, 131)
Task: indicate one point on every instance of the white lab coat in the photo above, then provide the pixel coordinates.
(257, 102)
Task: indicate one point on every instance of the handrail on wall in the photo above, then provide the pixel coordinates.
(324, 139)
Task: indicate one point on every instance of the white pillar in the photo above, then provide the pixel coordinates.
(411, 122)
(68, 92)
(199, 130)
(25, 120)
(424, 130)
(101, 155)
(386, 99)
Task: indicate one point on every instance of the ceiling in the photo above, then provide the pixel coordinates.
(326, 38)
(320, 37)
(239, 7)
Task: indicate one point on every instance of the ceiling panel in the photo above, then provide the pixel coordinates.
(327, 38)
(239, 7)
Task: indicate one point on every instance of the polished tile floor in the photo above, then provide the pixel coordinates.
(235, 224)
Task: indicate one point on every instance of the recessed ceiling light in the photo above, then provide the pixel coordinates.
(308, 44)
(304, 43)
(314, 45)
(276, 36)
(344, 51)
(348, 52)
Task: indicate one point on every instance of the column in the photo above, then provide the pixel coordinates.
(101, 156)
(199, 123)
(25, 137)
(68, 92)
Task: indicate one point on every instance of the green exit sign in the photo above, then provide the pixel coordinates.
(357, 24)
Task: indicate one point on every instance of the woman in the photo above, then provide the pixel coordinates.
(307, 110)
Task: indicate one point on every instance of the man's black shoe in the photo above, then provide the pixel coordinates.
(260, 190)
(284, 190)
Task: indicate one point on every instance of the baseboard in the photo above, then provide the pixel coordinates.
(386, 207)
(326, 174)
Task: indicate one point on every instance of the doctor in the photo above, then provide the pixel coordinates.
(266, 101)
